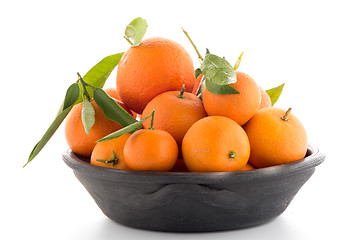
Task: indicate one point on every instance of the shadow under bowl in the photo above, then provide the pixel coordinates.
(192, 201)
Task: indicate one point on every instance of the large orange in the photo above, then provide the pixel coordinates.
(215, 144)
(110, 153)
(155, 66)
(239, 107)
(151, 150)
(80, 142)
(174, 113)
(276, 137)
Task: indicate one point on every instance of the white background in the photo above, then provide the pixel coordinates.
(312, 46)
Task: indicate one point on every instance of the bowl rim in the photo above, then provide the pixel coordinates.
(314, 158)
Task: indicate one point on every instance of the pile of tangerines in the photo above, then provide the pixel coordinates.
(186, 132)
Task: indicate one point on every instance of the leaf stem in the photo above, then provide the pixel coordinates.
(201, 59)
(84, 85)
(152, 121)
(128, 39)
(285, 117)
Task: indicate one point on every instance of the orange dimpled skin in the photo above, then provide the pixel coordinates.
(174, 114)
(110, 153)
(155, 66)
(239, 107)
(151, 150)
(76, 137)
(275, 138)
(215, 144)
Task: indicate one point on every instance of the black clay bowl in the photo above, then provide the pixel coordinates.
(194, 202)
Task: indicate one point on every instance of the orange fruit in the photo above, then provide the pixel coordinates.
(276, 137)
(155, 66)
(265, 99)
(80, 142)
(175, 112)
(215, 144)
(239, 107)
(151, 150)
(110, 153)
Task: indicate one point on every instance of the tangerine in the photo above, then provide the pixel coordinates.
(215, 144)
(110, 153)
(80, 142)
(276, 137)
(151, 150)
(176, 112)
(239, 107)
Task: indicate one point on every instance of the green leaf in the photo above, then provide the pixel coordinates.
(48, 134)
(128, 129)
(72, 94)
(237, 64)
(97, 77)
(87, 116)
(99, 73)
(220, 89)
(135, 31)
(112, 109)
(274, 93)
(217, 70)
(197, 72)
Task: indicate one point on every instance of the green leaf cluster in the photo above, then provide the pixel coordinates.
(218, 75)
(90, 86)
(97, 77)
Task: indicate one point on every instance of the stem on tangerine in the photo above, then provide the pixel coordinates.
(285, 117)
(232, 154)
(84, 84)
(181, 95)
